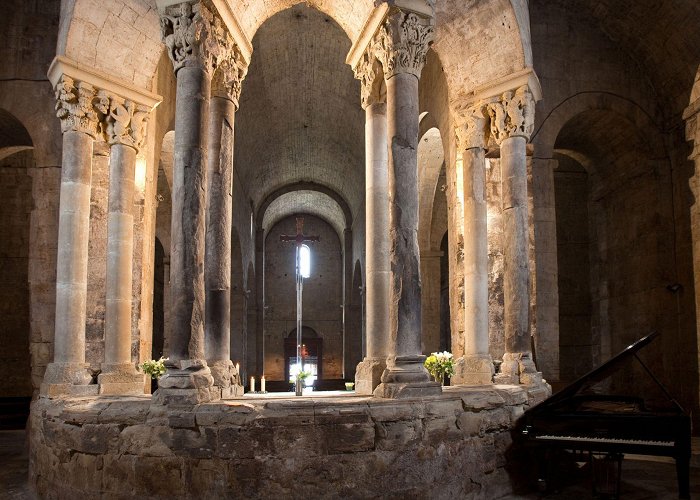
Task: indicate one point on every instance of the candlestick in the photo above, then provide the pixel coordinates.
(252, 384)
(262, 384)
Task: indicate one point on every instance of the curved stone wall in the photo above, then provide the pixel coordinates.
(352, 447)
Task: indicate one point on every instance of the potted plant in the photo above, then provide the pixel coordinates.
(440, 364)
(155, 369)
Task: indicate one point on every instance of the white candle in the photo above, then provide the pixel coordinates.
(252, 384)
(262, 384)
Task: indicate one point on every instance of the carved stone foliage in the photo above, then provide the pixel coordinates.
(230, 72)
(513, 115)
(76, 106)
(189, 33)
(123, 121)
(369, 75)
(402, 43)
(472, 130)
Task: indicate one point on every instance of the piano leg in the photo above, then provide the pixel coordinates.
(683, 474)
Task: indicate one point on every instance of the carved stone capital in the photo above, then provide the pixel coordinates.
(123, 121)
(230, 72)
(472, 128)
(370, 78)
(77, 106)
(191, 34)
(402, 43)
(513, 115)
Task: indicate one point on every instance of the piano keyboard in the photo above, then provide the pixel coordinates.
(588, 439)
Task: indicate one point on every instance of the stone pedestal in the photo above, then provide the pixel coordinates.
(186, 383)
(68, 379)
(473, 369)
(368, 375)
(120, 379)
(227, 381)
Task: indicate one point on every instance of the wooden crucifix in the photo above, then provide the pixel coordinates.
(299, 239)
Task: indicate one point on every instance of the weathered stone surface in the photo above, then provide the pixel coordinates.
(322, 447)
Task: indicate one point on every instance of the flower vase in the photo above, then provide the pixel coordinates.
(440, 378)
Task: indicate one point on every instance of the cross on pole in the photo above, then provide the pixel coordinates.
(299, 240)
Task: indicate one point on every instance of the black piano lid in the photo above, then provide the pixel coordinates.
(599, 374)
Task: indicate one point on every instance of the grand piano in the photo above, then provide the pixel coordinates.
(578, 419)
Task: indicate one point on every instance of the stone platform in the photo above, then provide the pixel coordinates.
(282, 447)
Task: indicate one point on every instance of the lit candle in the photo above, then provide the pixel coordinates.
(252, 384)
(262, 384)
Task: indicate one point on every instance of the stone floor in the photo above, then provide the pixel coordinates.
(641, 479)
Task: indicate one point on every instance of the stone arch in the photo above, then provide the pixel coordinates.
(614, 211)
(16, 188)
(306, 186)
(546, 133)
(431, 159)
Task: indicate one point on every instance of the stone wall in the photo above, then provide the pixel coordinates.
(16, 193)
(322, 295)
(453, 446)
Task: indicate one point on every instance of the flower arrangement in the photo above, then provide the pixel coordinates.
(440, 364)
(155, 369)
(302, 376)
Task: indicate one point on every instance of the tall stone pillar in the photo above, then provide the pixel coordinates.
(476, 365)
(217, 265)
(512, 120)
(125, 129)
(68, 373)
(691, 116)
(259, 367)
(377, 266)
(189, 36)
(402, 43)
(348, 332)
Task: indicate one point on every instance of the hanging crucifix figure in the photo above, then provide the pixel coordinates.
(302, 271)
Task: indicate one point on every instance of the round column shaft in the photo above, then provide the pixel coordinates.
(188, 214)
(377, 267)
(217, 265)
(476, 317)
(516, 276)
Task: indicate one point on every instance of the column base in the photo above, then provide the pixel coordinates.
(68, 379)
(519, 369)
(227, 381)
(405, 377)
(368, 375)
(120, 379)
(476, 369)
(187, 382)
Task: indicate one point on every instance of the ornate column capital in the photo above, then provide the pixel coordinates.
(191, 33)
(472, 129)
(230, 72)
(123, 121)
(77, 106)
(402, 42)
(512, 115)
(369, 74)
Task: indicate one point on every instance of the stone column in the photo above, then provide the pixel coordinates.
(476, 365)
(68, 373)
(403, 41)
(377, 266)
(512, 120)
(188, 34)
(217, 265)
(546, 285)
(259, 368)
(692, 131)
(125, 132)
(348, 331)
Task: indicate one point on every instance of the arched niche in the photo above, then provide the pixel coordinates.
(16, 164)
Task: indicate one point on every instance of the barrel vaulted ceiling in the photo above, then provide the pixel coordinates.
(300, 117)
